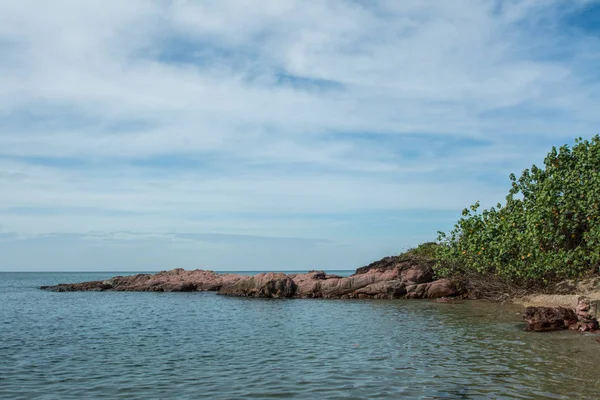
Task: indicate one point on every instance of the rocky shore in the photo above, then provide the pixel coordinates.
(583, 318)
(570, 304)
(389, 278)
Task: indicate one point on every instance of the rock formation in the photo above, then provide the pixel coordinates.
(177, 280)
(541, 319)
(389, 278)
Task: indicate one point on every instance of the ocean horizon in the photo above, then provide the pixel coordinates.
(243, 272)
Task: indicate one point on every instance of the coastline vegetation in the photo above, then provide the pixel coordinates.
(547, 230)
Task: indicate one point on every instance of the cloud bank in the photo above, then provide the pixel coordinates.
(282, 134)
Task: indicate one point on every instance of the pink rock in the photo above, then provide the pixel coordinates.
(390, 289)
(177, 280)
(440, 288)
(273, 285)
(417, 274)
(315, 283)
(385, 279)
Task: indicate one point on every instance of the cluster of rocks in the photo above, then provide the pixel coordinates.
(374, 284)
(582, 318)
(586, 312)
(389, 278)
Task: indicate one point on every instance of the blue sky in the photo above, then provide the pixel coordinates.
(284, 134)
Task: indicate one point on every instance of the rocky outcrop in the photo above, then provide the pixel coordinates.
(177, 280)
(582, 318)
(433, 290)
(93, 286)
(413, 270)
(389, 278)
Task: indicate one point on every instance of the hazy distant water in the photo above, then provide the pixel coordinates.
(200, 345)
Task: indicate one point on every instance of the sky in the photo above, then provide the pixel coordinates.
(145, 135)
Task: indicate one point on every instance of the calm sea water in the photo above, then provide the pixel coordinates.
(201, 345)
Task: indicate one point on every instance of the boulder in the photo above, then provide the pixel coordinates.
(266, 285)
(312, 284)
(431, 290)
(440, 288)
(417, 274)
(542, 319)
(391, 289)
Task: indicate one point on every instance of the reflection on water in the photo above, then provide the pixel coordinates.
(191, 345)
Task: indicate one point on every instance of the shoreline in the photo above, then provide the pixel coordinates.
(388, 278)
(576, 306)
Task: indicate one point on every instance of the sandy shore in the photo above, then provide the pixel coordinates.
(589, 288)
(555, 300)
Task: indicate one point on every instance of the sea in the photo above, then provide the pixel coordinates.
(123, 345)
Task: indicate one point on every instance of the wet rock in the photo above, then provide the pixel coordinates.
(542, 319)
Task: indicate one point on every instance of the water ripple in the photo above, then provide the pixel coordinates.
(200, 345)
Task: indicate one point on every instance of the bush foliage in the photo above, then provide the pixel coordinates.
(548, 229)
(424, 252)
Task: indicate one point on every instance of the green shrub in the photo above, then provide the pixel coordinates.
(425, 251)
(548, 229)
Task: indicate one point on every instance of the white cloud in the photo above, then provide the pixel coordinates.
(275, 106)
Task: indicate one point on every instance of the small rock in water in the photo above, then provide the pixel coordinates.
(542, 319)
(581, 319)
